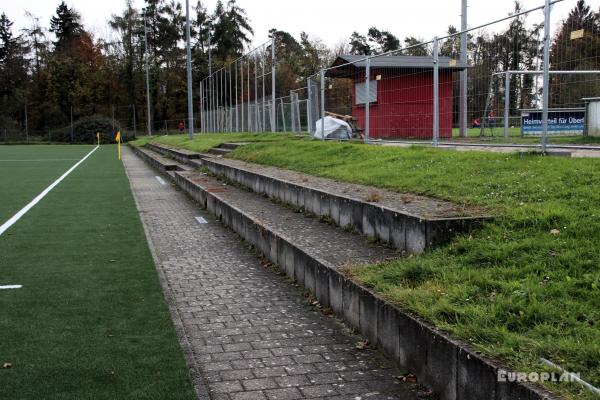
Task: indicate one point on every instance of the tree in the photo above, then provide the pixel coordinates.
(384, 40)
(13, 73)
(414, 48)
(577, 53)
(359, 45)
(66, 26)
(451, 46)
(232, 31)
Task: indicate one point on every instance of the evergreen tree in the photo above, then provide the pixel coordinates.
(66, 26)
(13, 74)
(359, 45)
(232, 31)
(384, 40)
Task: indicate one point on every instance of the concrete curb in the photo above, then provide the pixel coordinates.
(447, 366)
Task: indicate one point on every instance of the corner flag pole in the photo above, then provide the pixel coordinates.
(118, 139)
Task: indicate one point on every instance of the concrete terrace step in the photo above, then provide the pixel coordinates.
(315, 254)
(219, 151)
(157, 161)
(231, 146)
(180, 155)
(408, 222)
(330, 246)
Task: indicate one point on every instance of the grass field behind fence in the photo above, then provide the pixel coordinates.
(526, 285)
(90, 321)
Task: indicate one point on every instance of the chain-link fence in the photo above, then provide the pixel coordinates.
(240, 96)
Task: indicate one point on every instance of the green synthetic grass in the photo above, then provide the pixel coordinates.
(90, 321)
(27, 170)
(526, 285)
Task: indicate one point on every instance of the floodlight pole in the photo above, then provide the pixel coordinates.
(211, 102)
(546, 78)
(462, 118)
(189, 72)
(436, 99)
(273, 115)
(506, 103)
(367, 100)
(26, 124)
(148, 114)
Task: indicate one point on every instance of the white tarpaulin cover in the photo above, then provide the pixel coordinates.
(333, 128)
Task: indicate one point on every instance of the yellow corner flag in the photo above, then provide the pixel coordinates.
(118, 139)
(98, 137)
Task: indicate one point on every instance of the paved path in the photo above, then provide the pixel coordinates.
(246, 331)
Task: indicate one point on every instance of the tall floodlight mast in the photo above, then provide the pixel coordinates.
(189, 72)
(146, 55)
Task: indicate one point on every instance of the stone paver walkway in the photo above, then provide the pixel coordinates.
(246, 331)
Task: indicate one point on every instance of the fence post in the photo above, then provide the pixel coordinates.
(262, 103)
(134, 121)
(72, 122)
(283, 116)
(237, 126)
(26, 124)
(249, 115)
(256, 127)
(463, 74)
(506, 103)
(367, 99)
(436, 94)
(202, 106)
(273, 119)
(292, 112)
(309, 106)
(242, 94)
(230, 100)
(546, 78)
(323, 104)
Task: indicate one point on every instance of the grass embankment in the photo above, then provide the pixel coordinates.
(90, 321)
(202, 142)
(526, 285)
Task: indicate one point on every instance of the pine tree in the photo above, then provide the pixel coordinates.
(359, 45)
(66, 25)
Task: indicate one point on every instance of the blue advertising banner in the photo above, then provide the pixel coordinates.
(560, 121)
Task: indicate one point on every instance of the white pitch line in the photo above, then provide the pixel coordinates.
(11, 287)
(40, 196)
(160, 180)
(201, 220)
(42, 160)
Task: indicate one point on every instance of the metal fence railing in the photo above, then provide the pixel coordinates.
(510, 80)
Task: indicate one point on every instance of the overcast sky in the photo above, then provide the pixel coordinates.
(330, 20)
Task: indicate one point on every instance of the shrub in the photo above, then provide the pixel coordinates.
(85, 129)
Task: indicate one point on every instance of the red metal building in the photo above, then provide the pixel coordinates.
(401, 94)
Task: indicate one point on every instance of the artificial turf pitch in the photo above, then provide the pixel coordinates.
(90, 321)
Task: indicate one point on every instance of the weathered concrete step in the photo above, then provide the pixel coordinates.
(449, 367)
(322, 242)
(180, 155)
(231, 146)
(157, 161)
(219, 151)
(408, 222)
